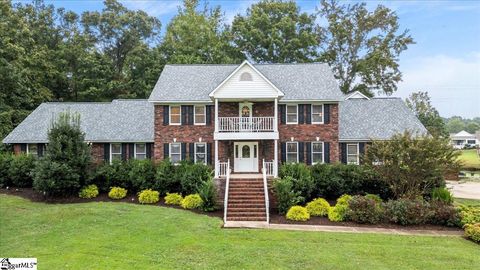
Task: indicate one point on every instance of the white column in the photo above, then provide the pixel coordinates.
(216, 115)
(275, 122)
(216, 159)
(275, 159)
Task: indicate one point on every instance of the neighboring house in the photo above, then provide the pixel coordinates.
(463, 139)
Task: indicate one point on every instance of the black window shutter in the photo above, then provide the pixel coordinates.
(283, 114)
(166, 150)
(309, 152)
(209, 153)
(343, 153)
(184, 151)
(301, 114)
(149, 150)
(124, 151)
(326, 145)
(361, 149)
(166, 115)
(131, 150)
(183, 115)
(191, 151)
(190, 114)
(301, 152)
(106, 152)
(308, 114)
(208, 116)
(23, 147)
(326, 113)
(283, 146)
(40, 149)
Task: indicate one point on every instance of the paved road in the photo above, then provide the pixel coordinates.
(467, 190)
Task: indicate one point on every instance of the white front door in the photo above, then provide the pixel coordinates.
(246, 157)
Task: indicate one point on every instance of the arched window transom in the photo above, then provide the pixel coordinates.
(245, 76)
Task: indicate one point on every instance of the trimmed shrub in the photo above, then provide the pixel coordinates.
(208, 194)
(165, 179)
(298, 213)
(444, 214)
(192, 201)
(469, 214)
(111, 175)
(374, 197)
(21, 170)
(192, 176)
(363, 209)
(88, 192)
(56, 179)
(472, 231)
(318, 207)
(117, 193)
(339, 211)
(300, 176)
(407, 212)
(148, 196)
(285, 194)
(140, 174)
(173, 198)
(442, 194)
(5, 160)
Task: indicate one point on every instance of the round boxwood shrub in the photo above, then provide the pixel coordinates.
(148, 196)
(88, 192)
(192, 201)
(472, 231)
(173, 198)
(117, 193)
(318, 207)
(21, 170)
(339, 211)
(298, 213)
(363, 209)
(469, 214)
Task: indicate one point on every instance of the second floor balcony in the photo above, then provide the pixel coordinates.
(247, 124)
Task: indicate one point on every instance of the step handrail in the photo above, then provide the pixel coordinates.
(265, 190)
(225, 200)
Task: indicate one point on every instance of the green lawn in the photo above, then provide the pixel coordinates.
(468, 202)
(470, 159)
(110, 235)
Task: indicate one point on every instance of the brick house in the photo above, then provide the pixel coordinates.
(247, 117)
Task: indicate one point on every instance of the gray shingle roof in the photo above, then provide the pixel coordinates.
(313, 81)
(377, 118)
(118, 121)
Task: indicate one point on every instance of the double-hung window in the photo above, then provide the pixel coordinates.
(115, 151)
(292, 114)
(292, 152)
(175, 115)
(317, 152)
(175, 152)
(317, 114)
(201, 153)
(140, 151)
(199, 117)
(352, 153)
(32, 149)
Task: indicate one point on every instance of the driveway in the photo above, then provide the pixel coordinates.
(467, 190)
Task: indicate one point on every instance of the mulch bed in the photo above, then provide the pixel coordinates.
(275, 218)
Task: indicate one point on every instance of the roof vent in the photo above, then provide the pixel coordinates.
(245, 76)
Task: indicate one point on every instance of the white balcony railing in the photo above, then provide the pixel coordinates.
(246, 124)
(268, 165)
(223, 168)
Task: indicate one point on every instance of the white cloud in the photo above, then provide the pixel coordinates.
(452, 83)
(153, 8)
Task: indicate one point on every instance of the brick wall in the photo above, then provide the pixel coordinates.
(97, 153)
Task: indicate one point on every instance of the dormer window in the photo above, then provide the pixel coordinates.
(245, 76)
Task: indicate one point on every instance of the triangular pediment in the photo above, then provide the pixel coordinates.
(357, 95)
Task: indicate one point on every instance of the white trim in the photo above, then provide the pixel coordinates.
(195, 115)
(246, 135)
(357, 154)
(357, 95)
(135, 150)
(170, 151)
(323, 113)
(170, 115)
(28, 149)
(111, 152)
(286, 115)
(195, 151)
(280, 93)
(249, 105)
(286, 151)
(323, 152)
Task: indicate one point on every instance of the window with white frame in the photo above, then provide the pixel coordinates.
(292, 114)
(317, 152)
(115, 151)
(175, 152)
(175, 115)
(317, 114)
(292, 152)
(201, 153)
(352, 153)
(199, 115)
(140, 151)
(32, 149)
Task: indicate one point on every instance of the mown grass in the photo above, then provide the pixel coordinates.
(109, 235)
(467, 202)
(470, 159)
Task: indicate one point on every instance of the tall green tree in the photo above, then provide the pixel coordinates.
(420, 104)
(276, 32)
(198, 36)
(363, 47)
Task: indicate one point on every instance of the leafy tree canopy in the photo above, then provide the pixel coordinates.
(419, 103)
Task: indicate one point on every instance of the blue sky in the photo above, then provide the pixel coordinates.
(445, 61)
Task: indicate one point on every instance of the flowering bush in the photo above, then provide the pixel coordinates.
(298, 213)
(117, 193)
(88, 192)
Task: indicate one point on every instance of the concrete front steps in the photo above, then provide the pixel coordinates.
(246, 200)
